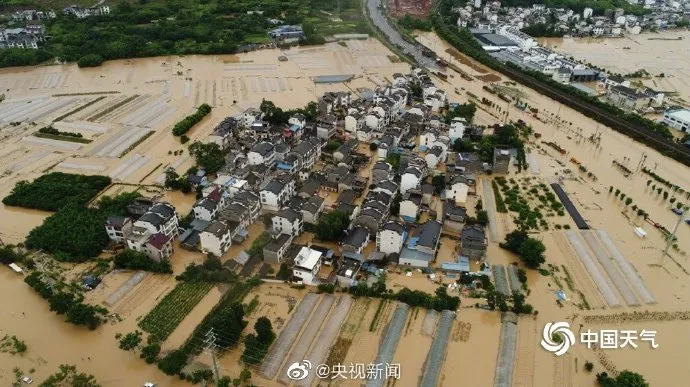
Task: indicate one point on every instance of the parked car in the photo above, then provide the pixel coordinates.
(27, 380)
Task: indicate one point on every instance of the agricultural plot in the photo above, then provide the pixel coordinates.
(390, 341)
(299, 352)
(602, 283)
(326, 337)
(627, 268)
(172, 309)
(437, 352)
(274, 359)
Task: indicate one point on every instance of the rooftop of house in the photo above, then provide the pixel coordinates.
(313, 204)
(414, 198)
(159, 240)
(310, 187)
(347, 197)
(436, 151)
(473, 233)
(394, 226)
(349, 268)
(263, 148)
(307, 258)
(218, 228)
(246, 196)
(357, 237)
(412, 254)
(450, 209)
(382, 165)
(277, 243)
(274, 186)
(117, 221)
(206, 203)
(289, 214)
(427, 235)
(388, 185)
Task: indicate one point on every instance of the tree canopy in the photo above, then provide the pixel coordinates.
(332, 225)
(530, 250)
(76, 233)
(209, 156)
(135, 260)
(55, 190)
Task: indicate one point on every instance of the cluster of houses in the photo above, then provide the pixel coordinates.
(281, 175)
(32, 30)
(613, 22)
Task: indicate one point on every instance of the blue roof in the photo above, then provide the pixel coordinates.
(295, 128)
(284, 166)
(452, 266)
(412, 242)
(355, 256)
(415, 255)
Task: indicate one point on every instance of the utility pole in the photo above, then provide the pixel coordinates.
(210, 346)
(671, 237)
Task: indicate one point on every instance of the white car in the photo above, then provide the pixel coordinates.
(27, 380)
(149, 384)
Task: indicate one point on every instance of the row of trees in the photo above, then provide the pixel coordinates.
(53, 131)
(211, 270)
(440, 300)
(69, 304)
(277, 116)
(135, 260)
(188, 122)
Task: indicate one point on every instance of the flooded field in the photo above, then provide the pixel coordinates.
(658, 53)
(127, 107)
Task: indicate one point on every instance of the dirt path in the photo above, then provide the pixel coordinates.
(523, 376)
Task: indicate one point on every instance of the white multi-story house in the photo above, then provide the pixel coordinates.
(433, 157)
(298, 119)
(457, 191)
(160, 218)
(250, 116)
(117, 227)
(159, 247)
(410, 179)
(276, 194)
(287, 221)
(216, 238)
(307, 265)
(390, 238)
(457, 129)
(399, 80)
(354, 121)
(262, 153)
(309, 152)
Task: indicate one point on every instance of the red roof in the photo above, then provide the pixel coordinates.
(215, 195)
(158, 241)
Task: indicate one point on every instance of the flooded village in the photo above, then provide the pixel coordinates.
(330, 215)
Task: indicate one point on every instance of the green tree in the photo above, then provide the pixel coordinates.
(130, 341)
(90, 60)
(332, 226)
(532, 252)
(209, 156)
(61, 303)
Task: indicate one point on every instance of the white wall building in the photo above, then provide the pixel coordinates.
(678, 119)
(307, 265)
(390, 238)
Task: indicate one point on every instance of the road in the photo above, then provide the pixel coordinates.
(377, 17)
(490, 207)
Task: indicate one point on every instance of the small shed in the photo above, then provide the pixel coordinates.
(16, 268)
